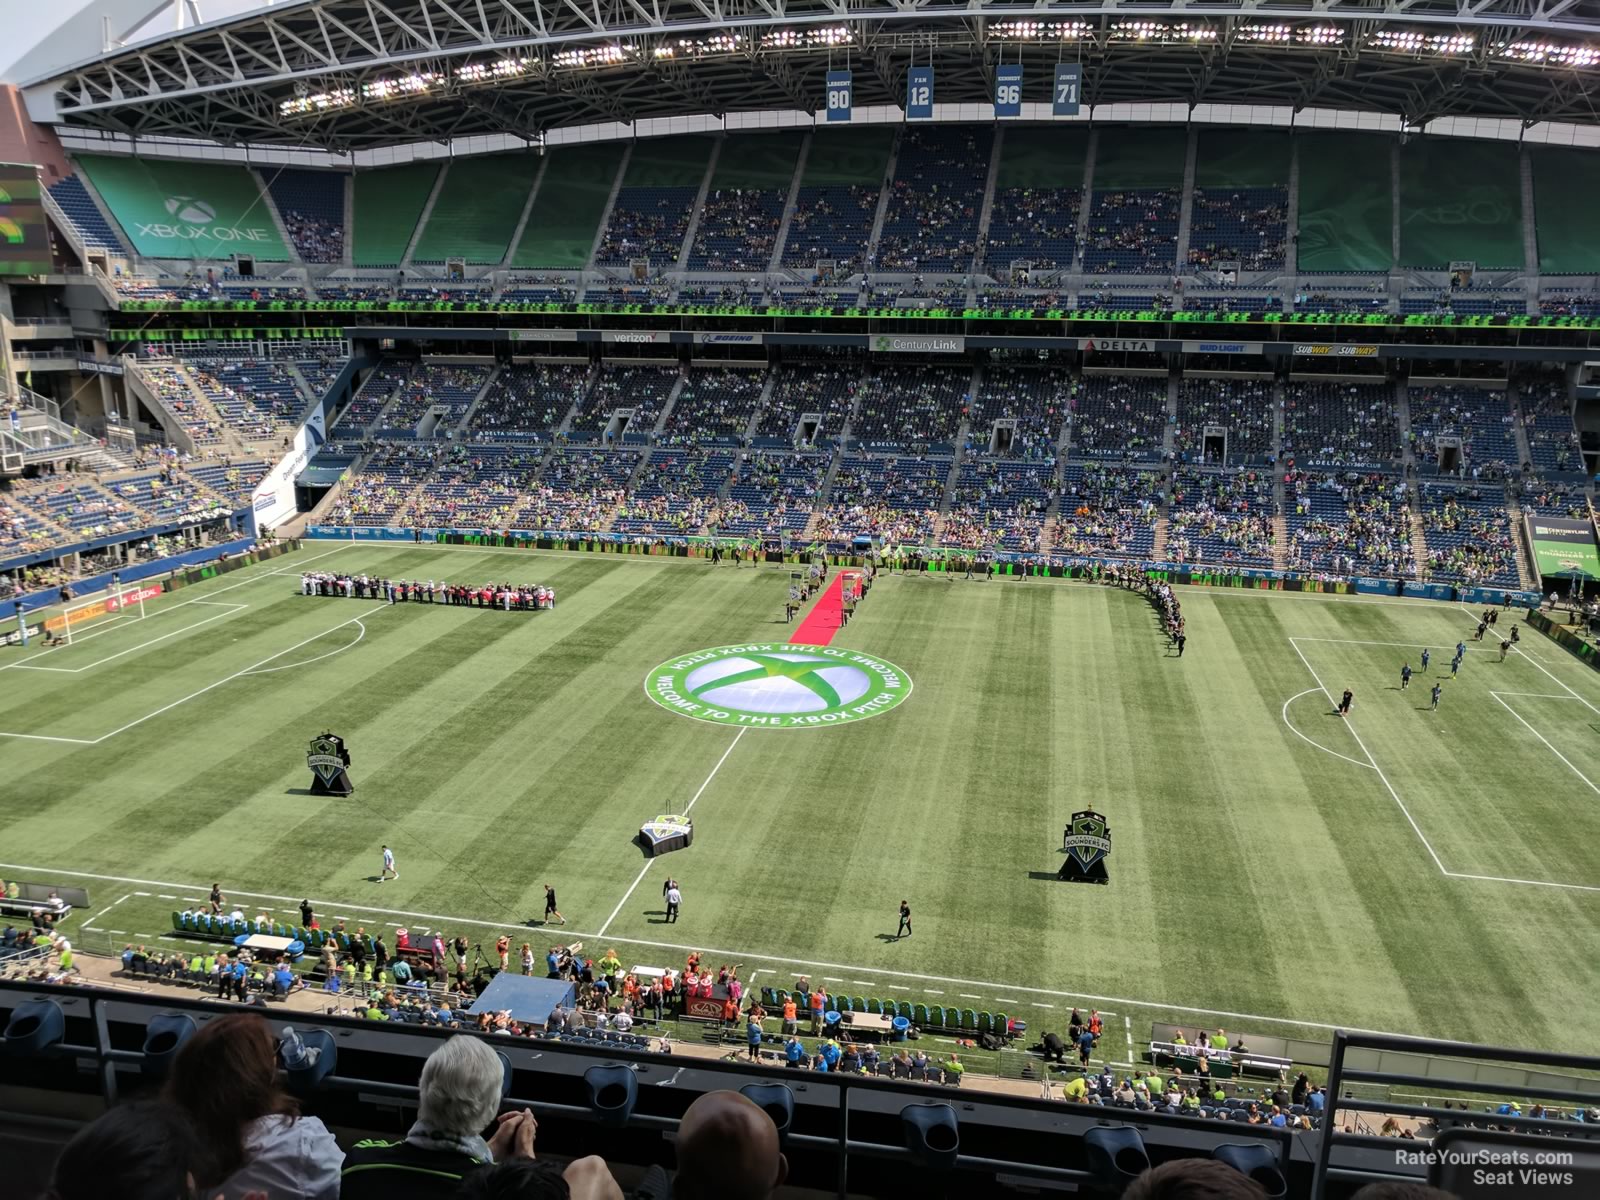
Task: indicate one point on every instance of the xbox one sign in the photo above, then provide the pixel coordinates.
(778, 685)
(195, 220)
(187, 208)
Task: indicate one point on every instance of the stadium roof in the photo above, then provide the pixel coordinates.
(357, 74)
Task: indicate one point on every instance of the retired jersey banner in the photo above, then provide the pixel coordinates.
(1008, 90)
(839, 92)
(1065, 100)
(919, 94)
(1563, 547)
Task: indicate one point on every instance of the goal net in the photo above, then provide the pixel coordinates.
(78, 618)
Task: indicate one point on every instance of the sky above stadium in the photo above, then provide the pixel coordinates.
(41, 38)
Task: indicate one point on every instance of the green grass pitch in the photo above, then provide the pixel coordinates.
(1275, 868)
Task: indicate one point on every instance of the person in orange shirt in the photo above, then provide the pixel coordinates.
(791, 1015)
(1094, 1022)
(502, 947)
(819, 1002)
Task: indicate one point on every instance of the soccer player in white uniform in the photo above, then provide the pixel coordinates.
(388, 866)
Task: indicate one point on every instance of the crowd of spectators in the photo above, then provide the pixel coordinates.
(1220, 519)
(911, 406)
(1547, 423)
(642, 390)
(380, 493)
(317, 240)
(1036, 398)
(772, 494)
(1119, 418)
(894, 499)
(714, 406)
(831, 224)
(1480, 419)
(578, 491)
(1349, 523)
(1036, 226)
(1132, 232)
(528, 400)
(999, 506)
(477, 487)
(1339, 425)
(1249, 226)
(738, 229)
(431, 385)
(1468, 535)
(647, 223)
(676, 493)
(819, 387)
(931, 223)
(1240, 407)
(1107, 510)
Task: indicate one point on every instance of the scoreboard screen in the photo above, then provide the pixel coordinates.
(24, 243)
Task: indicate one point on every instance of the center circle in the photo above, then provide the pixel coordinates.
(777, 685)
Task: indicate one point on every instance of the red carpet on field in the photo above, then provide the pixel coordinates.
(825, 617)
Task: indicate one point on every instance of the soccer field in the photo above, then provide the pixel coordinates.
(1275, 869)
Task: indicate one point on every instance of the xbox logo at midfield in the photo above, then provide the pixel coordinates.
(777, 685)
(187, 208)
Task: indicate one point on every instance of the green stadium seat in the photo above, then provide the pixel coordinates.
(935, 1016)
(875, 1006)
(904, 1009)
(857, 1004)
(177, 921)
(919, 1015)
(985, 1023)
(1002, 1024)
(969, 1019)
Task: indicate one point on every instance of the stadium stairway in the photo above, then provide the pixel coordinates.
(693, 226)
(605, 213)
(1280, 532)
(427, 212)
(1402, 420)
(1519, 431)
(791, 201)
(869, 258)
(1186, 202)
(986, 214)
(1419, 537)
(466, 417)
(271, 206)
(1525, 572)
(521, 226)
(1170, 433)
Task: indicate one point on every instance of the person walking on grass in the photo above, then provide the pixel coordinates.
(1425, 656)
(1405, 676)
(1344, 702)
(674, 901)
(905, 920)
(388, 871)
(550, 909)
(1505, 648)
(1438, 690)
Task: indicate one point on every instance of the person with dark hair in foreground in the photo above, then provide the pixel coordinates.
(727, 1150)
(534, 1179)
(1194, 1179)
(225, 1079)
(143, 1151)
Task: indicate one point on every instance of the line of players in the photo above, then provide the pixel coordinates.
(1490, 617)
(513, 597)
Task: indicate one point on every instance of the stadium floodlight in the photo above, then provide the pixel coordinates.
(1548, 53)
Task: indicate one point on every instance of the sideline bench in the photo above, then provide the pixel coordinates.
(53, 898)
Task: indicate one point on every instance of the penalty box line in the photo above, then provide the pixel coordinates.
(252, 668)
(1294, 643)
(730, 955)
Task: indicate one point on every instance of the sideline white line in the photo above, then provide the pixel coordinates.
(1415, 828)
(1548, 746)
(1533, 695)
(1352, 761)
(1575, 887)
(645, 870)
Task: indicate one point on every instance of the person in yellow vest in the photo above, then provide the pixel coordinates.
(1076, 1089)
(1219, 1040)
